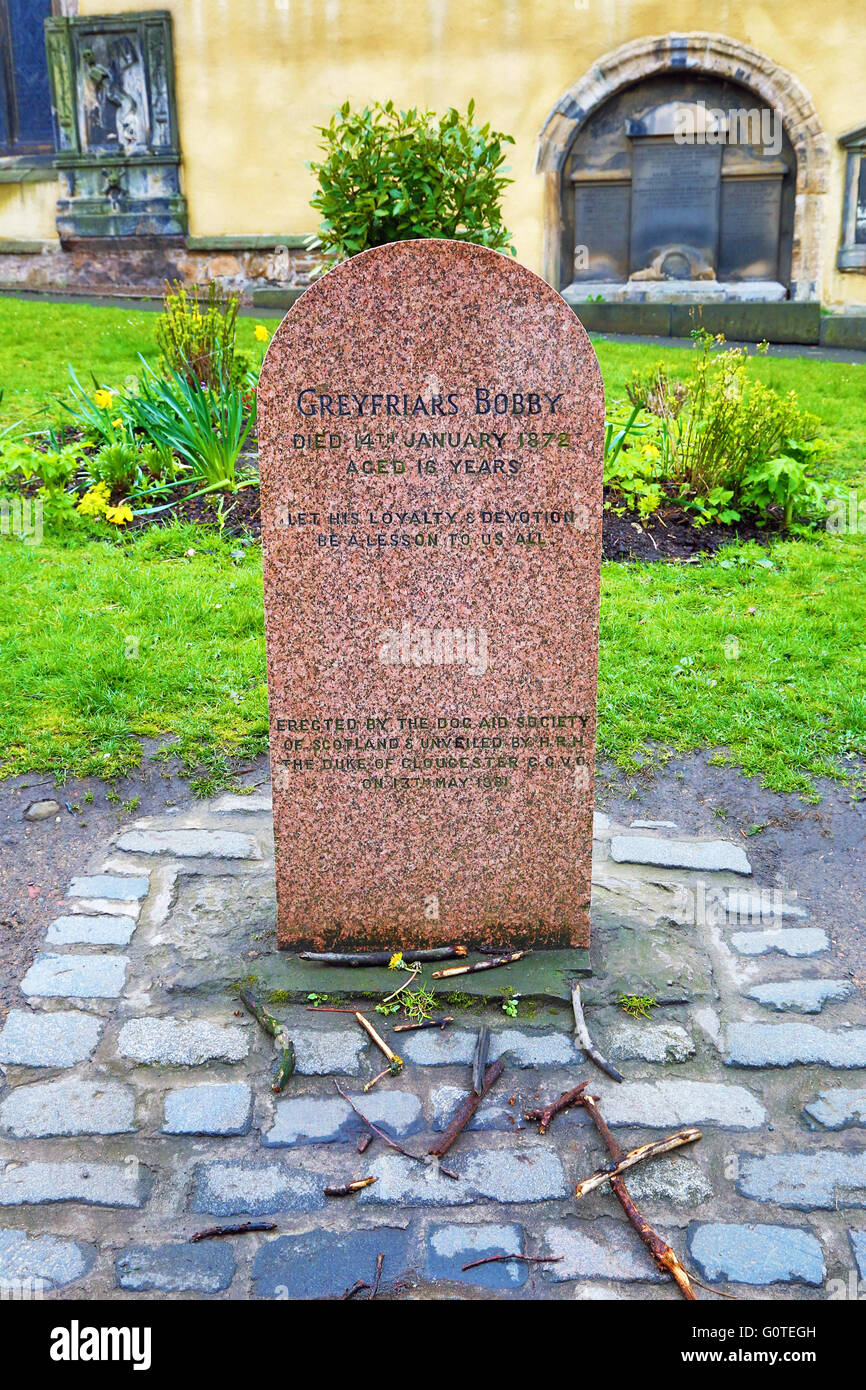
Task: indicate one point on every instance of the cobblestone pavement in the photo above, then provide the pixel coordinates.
(135, 1105)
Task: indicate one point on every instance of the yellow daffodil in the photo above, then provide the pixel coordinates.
(94, 501)
(396, 960)
(103, 398)
(118, 516)
(118, 422)
(262, 333)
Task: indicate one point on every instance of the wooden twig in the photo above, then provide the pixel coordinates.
(468, 1108)
(405, 985)
(380, 1134)
(364, 1143)
(358, 1287)
(378, 958)
(347, 1188)
(425, 1023)
(212, 1231)
(634, 1156)
(380, 1260)
(527, 1260)
(545, 1113)
(282, 1041)
(479, 1059)
(581, 1032)
(480, 965)
(395, 1063)
(662, 1253)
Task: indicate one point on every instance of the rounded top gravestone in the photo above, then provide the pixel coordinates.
(431, 420)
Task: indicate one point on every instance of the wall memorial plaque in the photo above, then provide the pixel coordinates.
(431, 418)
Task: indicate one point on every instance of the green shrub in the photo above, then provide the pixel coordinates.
(207, 427)
(116, 464)
(196, 334)
(390, 175)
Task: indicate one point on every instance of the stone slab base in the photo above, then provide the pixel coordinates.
(787, 322)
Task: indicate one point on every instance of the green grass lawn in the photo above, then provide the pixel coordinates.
(105, 644)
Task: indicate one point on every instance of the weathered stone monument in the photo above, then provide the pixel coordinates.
(431, 418)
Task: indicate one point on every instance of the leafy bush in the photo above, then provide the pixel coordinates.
(719, 445)
(390, 175)
(116, 465)
(196, 334)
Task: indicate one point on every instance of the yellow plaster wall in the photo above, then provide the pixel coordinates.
(255, 76)
(28, 211)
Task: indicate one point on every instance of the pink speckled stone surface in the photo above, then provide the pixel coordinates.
(412, 577)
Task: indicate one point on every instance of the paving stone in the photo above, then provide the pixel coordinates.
(105, 907)
(323, 1264)
(677, 1180)
(92, 1184)
(532, 1173)
(42, 810)
(648, 1042)
(48, 1039)
(679, 854)
(750, 1254)
(260, 804)
(800, 996)
(666, 1104)
(401, 1183)
(325, 1119)
(838, 1109)
(328, 1051)
(79, 929)
(654, 825)
(43, 1261)
(493, 1113)
(525, 1048)
(824, 1180)
(185, 1268)
(224, 1188)
(214, 1108)
(767, 905)
(75, 977)
(791, 941)
(123, 888)
(858, 1247)
(70, 1106)
(168, 1043)
(603, 1249)
(191, 844)
(600, 824)
(451, 1247)
(789, 1044)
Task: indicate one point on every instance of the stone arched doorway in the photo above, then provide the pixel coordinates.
(688, 158)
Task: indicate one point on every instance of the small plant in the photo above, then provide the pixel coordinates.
(207, 426)
(196, 334)
(390, 175)
(509, 1002)
(99, 416)
(637, 1005)
(116, 465)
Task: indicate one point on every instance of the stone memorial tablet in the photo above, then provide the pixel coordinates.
(431, 419)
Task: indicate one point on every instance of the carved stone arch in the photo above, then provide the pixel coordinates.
(696, 53)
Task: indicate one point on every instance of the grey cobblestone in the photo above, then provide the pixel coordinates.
(324, 1264)
(494, 1112)
(531, 1174)
(603, 1249)
(224, 1188)
(323, 1119)
(750, 1254)
(212, 1108)
(401, 1183)
(709, 855)
(450, 1247)
(76, 977)
(790, 1044)
(60, 1039)
(191, 844)
(823, 1180)
(524, 1048)
(176, 1268)
(767, 904)
(70, 1106)
(116, 887)
(46, 1260)
(663, 1104)
(838, 1108)
(328, 1051)
(92, 1184)
(677, 1180)
(788, 941)
(648, 1042)
(81, 930)
(166, 1042)
(800, 996)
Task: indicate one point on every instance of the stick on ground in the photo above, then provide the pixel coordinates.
(545, 1113)
(425, 1023)
(277, 1030)
(480, 965)
(664, 1256)
(527, 1259)
(468, 1108)
(581, 1032)
(346, 1189)
(380, 1134)
(634, 1156)
(212, 1231)
(479, 1059)
(379, 958)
